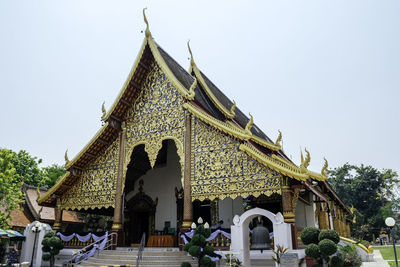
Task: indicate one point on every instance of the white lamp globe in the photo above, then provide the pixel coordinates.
(206, 225)
(194, 226)
(390, 221)
(200, 220)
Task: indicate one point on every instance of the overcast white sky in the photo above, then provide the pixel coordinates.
(326, 73)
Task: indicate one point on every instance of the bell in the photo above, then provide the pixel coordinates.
(260, 237)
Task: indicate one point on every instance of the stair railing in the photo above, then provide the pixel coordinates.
(89, 251)
(140, 251)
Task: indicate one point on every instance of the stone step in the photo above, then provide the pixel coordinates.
(150, 258)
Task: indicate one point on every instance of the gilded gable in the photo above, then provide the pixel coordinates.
(220, 169)
(95, 188)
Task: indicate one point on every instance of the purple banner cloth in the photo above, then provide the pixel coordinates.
(84, 238)
(65, 238)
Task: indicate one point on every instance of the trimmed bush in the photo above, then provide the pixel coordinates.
(194, 251)
(207, 262)
(336, 261)
(327, 247)
(186, 264)
(312, 250)
(186, 247)
(310, 235)
(198, 240)
(329, 234)
(208, 250)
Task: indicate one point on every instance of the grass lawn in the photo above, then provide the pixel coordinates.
(388, 253)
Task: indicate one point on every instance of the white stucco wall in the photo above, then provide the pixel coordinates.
(161, 182)
(229, 208)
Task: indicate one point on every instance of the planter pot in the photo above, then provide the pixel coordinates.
(310, 261)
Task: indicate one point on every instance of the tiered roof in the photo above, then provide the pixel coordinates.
(204, 100)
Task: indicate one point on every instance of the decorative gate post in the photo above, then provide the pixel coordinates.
(117, 226)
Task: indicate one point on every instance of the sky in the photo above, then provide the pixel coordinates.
(325, 73)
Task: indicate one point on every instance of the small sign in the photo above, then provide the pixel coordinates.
(289, 260)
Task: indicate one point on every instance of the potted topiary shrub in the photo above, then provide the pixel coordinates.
(198, 248)
(51, 245)
(321, 245)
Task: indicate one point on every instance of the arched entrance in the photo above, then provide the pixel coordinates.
(151, 194)
(240, 232)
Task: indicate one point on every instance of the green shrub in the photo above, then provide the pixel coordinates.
(312, 250)
(186, 264)
(51, 245)
(336, 261)
(329, 234)
(327, 247)
(309, 235)
(186, 247)
(194, 251)
(206, 261)
(198, 240)
(209, 250)
(349, 256)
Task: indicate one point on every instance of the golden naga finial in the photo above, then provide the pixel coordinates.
(66, 157)
(148, 34)
(279, 139)
(352, 209)
(301, 157)
(103, 110)
(249, 125)
(37, 193)
(307, 159)
(233, 108)
(191, 54)
(324, 168)
(190, 95)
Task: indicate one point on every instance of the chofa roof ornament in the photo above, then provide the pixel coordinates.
(279, 139)
(148, 34)
(66, 157)
(249, 126)
(305, 162)
(103, 111)
(324, 168)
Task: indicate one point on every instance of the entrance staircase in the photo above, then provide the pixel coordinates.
(151, 257)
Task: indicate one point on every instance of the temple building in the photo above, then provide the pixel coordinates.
(173, 148)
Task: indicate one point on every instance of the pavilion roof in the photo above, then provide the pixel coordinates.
(204, 100)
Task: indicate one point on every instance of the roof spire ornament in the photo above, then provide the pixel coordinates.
(191, 55)
(279, 139)
(66, 157)
(249, 124)
(233, 108)
(307, 159)
(103, 110)
(324, 168)
(148, 34)
(190, 94)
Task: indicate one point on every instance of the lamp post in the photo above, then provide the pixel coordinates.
(35, 229)
(390, 222)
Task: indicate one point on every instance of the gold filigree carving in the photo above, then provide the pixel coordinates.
(295, 198)
(157, 115)
(95, 187)
(220, 169)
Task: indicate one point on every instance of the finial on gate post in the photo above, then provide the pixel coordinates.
(148, 34)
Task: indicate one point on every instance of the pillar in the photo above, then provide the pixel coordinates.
(117, 226)
(287, 207)
(323, 217)
(187, 187)
(57, 216)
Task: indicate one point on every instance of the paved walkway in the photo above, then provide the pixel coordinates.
(378, 261)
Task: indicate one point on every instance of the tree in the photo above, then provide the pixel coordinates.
(10, 184)
(370, 191)
(51, 245)
(27, 167)
(51, 174)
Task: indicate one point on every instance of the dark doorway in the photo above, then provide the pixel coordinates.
(202, 209)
